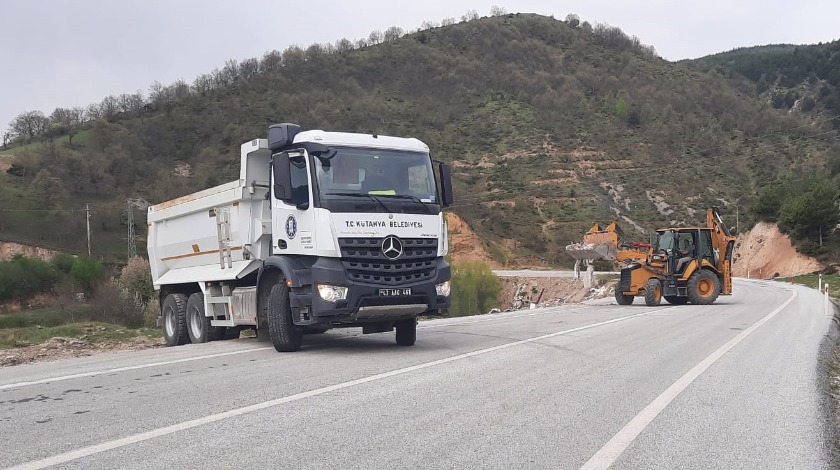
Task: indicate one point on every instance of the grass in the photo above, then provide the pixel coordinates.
(45, 317)
(92, 332)
(40, 325)
(812, 280)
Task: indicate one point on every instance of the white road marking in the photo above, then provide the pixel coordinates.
(144, 436)
(211, 356)
(123, 369)
(610, 452)
(501, 317)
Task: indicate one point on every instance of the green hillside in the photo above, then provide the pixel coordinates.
(803, 78)
(550, 128)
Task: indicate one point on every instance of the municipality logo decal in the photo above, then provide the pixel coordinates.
(291, 227)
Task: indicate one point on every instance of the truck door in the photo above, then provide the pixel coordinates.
(293, 218)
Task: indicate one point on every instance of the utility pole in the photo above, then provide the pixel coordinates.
(87, 217)
(132, 239)
(131, 204)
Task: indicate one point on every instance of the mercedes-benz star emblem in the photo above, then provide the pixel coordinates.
(392, 247)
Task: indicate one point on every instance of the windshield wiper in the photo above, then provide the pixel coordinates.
(410, 197)
(369, 196)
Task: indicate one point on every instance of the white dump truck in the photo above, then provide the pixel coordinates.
(321, 230)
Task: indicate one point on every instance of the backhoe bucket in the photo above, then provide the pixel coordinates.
(591, 251)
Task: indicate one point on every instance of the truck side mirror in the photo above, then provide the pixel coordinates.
(282, 177)
(446, 195)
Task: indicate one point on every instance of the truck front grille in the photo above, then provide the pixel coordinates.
(364, 261)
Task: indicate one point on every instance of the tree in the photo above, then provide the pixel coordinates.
(573, 20)
(393, 33)
(470, 15)
(496, 10)
(109, 107)
(812, 212)
(375, 37)
(7, 138)
(271, 60)
(85, 272)
(47, 187)
(343, 45)
(249, 67)
(29, 124)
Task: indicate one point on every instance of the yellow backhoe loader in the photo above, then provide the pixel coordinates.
(688, 264)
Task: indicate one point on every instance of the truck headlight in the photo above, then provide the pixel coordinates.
(331, 293)
(443, 288)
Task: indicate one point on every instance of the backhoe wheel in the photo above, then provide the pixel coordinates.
(174, 319)
(622, 299)
(676, 300)
(653, 292)
(406, 331)
(703, 287)
(285, 336)
(198, 325)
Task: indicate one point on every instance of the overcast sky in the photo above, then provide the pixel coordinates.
(71, 53)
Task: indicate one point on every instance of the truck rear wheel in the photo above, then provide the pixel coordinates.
(198, 325)
(174, 319)
(406, 332)
(622, 299)
(285, 336)
(703, 287)
(653, 292)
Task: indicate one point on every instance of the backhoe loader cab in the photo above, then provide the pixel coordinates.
(692, 264)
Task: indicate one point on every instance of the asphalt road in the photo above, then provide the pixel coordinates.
(739, 384)
(533, 273)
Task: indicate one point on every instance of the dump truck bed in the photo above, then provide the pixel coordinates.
(216, 234)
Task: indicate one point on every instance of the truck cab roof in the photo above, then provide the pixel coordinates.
(345, 139)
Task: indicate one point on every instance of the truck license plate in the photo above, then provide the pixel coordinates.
(394, 292)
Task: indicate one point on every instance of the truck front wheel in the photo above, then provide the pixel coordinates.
(174, 312)
(406, 332)
(285, 336)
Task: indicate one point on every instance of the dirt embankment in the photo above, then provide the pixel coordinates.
(464, 243)
(62, 348)
(765, 251)
(519, 292)
(8, 249)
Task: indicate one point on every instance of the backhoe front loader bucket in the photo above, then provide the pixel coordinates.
(591, 251)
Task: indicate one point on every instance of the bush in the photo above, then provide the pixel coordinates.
(22, 277)
(111, 304)
(475, 289)
(136, 279)
(85, 272)
(62, 262)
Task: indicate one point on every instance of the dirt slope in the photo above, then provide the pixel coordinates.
(464, 244)
(764, 251)
(8, 249)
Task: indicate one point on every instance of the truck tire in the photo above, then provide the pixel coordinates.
(198, 325)
(232, 332)
(314, 330)
(676, 300)
(406, 332)
(285, 336)
(653, 292)
(703, 287)
(622, 299)
(174, 312)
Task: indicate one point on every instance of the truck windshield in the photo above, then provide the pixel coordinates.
(381, 173)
